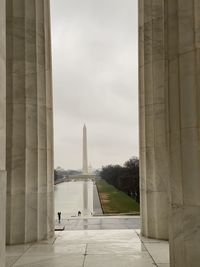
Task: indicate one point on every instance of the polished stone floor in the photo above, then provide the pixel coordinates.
(100, 223)
(92, 248)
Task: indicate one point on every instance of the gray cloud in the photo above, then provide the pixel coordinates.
(95, 80)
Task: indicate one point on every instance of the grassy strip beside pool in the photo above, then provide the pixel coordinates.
(115, 201)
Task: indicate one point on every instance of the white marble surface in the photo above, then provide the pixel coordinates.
(154, 171)
(159, 251)
(3, 216)
(169, 125)
(2, 131)
(30, 202)
(30, 136)
(89, 248)
(184, 101)
(2, 85)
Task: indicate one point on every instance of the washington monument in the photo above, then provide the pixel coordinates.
(85, 159)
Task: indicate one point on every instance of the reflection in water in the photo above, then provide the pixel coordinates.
(71, 197)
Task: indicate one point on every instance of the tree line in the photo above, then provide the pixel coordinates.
(60, 173)
(124, 178)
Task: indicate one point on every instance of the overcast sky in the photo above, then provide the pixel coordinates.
(94, 45)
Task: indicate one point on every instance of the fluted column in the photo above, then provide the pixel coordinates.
(153, 120)
(2, 130)
(29, 122)
(183, 29)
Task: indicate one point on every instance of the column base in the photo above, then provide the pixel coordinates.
(2, 216)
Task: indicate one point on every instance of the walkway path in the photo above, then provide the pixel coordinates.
(91, 248)
(101, 222)
(96, 202)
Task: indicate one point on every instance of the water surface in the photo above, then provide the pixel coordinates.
(71, 197)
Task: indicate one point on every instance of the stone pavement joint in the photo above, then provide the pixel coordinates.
(92, 248)
(85, 255)
(146, 248)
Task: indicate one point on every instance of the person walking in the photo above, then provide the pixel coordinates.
(59, 216)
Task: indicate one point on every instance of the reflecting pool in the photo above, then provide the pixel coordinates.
(72, 197)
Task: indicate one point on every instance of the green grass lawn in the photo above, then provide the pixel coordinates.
(115, 201)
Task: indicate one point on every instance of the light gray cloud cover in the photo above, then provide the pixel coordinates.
(95, 61)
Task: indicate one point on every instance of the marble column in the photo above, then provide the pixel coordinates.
(2, 131)
(29, 157)
(154, 173)
(183, 36)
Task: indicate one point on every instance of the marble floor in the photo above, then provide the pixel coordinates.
(100, 223)
(92, 248)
